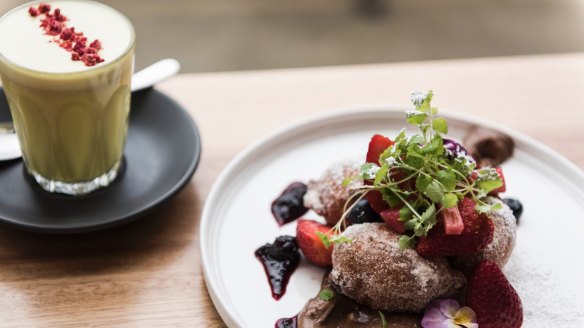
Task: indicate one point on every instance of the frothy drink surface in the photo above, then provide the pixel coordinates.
(24, 42)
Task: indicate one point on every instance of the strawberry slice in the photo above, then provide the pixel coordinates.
(310, 245)
(452, 220)
(493, 299)
(377, 146)
(391, 218)
(503, 188)
(476, 235)
(376, 200)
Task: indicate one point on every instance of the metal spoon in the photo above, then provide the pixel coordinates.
(146, 78)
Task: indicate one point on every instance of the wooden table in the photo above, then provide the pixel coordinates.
(148, 274)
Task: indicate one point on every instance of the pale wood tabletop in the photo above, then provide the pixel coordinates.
(148, 273)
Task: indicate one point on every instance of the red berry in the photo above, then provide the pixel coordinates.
(311, 245)
(376, 200)
(476, 235)
(377, 146)
(391, 218)
(492, 298)
(503, 188)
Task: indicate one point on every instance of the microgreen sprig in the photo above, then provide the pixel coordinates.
(421, 176)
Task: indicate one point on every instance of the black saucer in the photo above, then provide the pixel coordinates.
(162, 152)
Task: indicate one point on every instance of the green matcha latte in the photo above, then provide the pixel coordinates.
(66, 69)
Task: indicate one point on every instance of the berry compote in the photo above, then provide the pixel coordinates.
(289, 206)
(279, 259)
(286, 322)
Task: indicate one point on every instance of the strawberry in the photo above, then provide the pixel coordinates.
(310, 245)
(476, 235)
(503, 188)
(377, 146)
(391, 218)
(376, 200)
(492, 298)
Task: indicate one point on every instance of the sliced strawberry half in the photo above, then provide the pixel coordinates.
(376, 200)
(503, 188)
(493, 299)
(476, 235)
(391, 219)
(311, 245)
(377, 146)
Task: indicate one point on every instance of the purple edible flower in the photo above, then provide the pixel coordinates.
(447, 313)
(453, 148)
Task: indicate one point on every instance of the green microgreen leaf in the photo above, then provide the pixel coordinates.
(429, 214)
(415, 116)
(485, 208)
(419, 230)
(390, 197)
(405, 214)
(434, 147)
(440, 125)
(416, 139)
(348, 180)
(381, 174)
(447, 178)
(401, 136)
(411, 224)
(339, 239)
(449, 200)
(389, 152)
(414, 159)
(324, 239)
(368, 171)
(406, 242)
(421, 100)
(326, 294)
(488, 186)
(435, 191)
(422, 182)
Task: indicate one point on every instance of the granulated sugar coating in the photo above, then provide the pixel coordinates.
(327, 196)
(374, 271)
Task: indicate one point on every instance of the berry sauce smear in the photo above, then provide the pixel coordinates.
(289, 206)
(287, 322)
(279, 259)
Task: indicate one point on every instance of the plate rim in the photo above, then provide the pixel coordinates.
(569, 170)
(140, 211)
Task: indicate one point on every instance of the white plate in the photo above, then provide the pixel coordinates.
(546, 267)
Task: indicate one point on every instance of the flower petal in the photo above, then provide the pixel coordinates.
(444, 323)
(467, 317)
(432, 316)
(448, 307)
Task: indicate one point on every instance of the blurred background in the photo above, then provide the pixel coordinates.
(225, 35)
